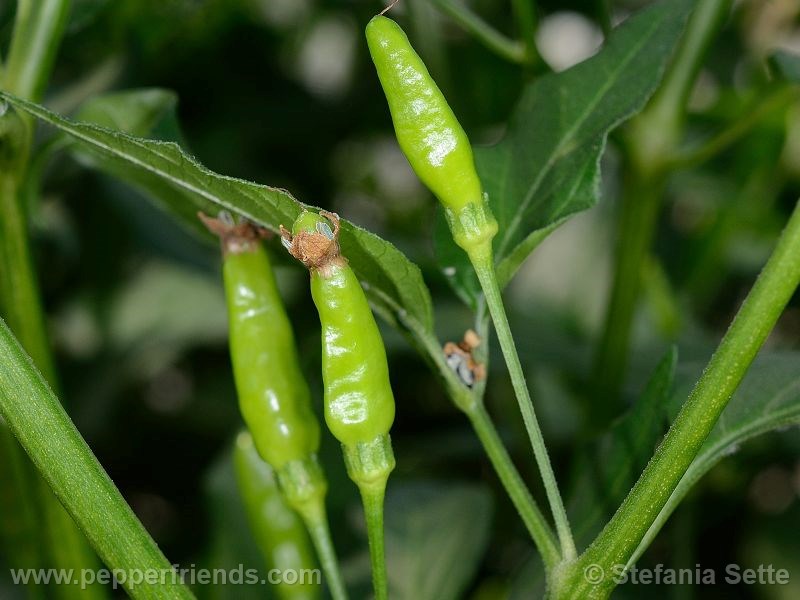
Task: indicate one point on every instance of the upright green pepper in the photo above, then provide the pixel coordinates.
(279, 532)
(440, 154)
(430, 135)
(359, 405)
(273, 394)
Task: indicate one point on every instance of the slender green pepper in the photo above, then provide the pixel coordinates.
(359, 405)
(273, 394)
(279, 532)
(440, 154)
(430, 135)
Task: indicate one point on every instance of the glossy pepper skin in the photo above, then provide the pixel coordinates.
(273, 394)
(278, 530)
(359, 405)
(429, 133)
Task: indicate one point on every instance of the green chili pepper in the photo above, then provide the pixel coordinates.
(430, 135)
(359, 405)
(278, 531)
(273, 395)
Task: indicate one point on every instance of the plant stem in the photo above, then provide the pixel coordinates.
(19, 516)
(757, 316)
(651, 139)
(506, 48)
(640, 208)
(483, 264)
(38, 28)
(764, 106)
(57, 449)
(471, 403)
(526, 23)
(534, 521)
(372, 497)
(19, 293)
(315, 517)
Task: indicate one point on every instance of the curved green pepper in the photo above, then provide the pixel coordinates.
(430, 135)
(359, 404)
(278, 531)
(273, 395)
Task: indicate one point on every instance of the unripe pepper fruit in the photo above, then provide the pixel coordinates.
(430, 135)
(273, 394)
(359, 404)
(277, 529)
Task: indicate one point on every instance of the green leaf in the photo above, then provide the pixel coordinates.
(178, 181)
(137, 112)
(39, 422)
(767, 399)
(435, 537)
(608, 468)
(786, 65)
(547, 166)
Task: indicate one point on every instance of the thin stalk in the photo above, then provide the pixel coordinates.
(19, 509)
(483, 264)
(38, 28)
(756, 318)
(315, 518)
(651, 140)
(471, 403)
(639, 215)
(506, 48)
(532, 517)
(19, 292)
(763, 107)
(526, 24)
(372, 499)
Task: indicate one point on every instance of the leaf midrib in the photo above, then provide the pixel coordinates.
(568, 138)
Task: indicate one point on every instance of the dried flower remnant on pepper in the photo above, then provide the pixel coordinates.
(235, 238)
(316, 248)
(460, 358)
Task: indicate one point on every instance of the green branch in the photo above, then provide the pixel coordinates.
(38, 28)
(483, 264)
(529, 512)
(506, 48)
(471, 403)
(651, 140)
(315, 518)
(39, 422)
(764, 106)
(756, 318)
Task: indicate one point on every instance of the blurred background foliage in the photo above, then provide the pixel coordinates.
(283, 92)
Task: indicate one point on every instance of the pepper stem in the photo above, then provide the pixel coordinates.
(372, 497)
(304, 487)
(315, 518)
(483, 263)
(369, 465)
